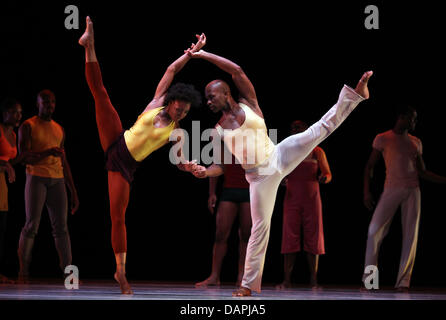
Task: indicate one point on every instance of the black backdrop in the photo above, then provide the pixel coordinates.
(297, 55)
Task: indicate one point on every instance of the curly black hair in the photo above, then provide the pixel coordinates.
(183, 92)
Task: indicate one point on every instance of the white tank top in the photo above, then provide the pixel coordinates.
(250, 143)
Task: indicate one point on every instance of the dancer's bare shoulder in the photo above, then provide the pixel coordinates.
(253, 105)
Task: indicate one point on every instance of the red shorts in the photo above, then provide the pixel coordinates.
(302, 216)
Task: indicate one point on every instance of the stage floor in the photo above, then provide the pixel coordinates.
(109, 290)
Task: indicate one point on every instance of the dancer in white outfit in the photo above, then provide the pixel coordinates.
(265, 164)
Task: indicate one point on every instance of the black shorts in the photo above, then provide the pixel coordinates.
(237, 195)
(119, 159)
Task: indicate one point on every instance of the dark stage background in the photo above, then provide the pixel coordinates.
(297, 55)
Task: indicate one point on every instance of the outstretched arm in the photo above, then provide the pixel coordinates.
(172, 70)
(426, 174)
(239, 77)
(214, 170)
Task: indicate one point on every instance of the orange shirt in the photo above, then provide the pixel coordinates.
(45, 135)
(400, 154)
(7, 151)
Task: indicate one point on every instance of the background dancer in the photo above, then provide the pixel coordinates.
(302, 210)
(402, 153)
(12, 114)
(41, 148)
(234, 200)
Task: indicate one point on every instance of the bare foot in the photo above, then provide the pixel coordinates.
(23, 279)
(209, 282)
(403, 289)
(363, 289)
(362, 88)
(5, 280)
(283, 286)
(238, 283)
(122, 280)
(242, 292)
(313, 283)
(87, 39)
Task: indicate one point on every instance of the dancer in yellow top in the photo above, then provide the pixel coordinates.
(126, 149)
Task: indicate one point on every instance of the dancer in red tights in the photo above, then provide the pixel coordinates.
(125, 149)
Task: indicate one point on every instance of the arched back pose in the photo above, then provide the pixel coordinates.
(265, 164)
(126, 149)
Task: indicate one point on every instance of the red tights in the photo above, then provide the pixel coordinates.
(110, 127)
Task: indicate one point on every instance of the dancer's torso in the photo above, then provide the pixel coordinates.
(45, 135)
(7, 150)
(302, 182)
(249, 143)
(400, 155)
(144, 137)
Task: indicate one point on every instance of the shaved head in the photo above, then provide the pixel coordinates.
(218, 95)
(220, 85)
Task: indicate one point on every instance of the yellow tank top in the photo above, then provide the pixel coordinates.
(249, 143)
(45, 135)
(143, 138)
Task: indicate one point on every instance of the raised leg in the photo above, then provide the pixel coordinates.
(295, 148)
(107, 119)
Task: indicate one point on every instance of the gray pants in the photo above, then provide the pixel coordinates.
(264, 180)
(40, 191)
(410, 201)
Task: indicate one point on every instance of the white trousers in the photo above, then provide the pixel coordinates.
(410, 201)
(264, 180)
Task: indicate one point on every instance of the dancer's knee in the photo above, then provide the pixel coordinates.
(118, 220)
(261, 228)
(30, 230)
(244, 235)
(222, 235)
